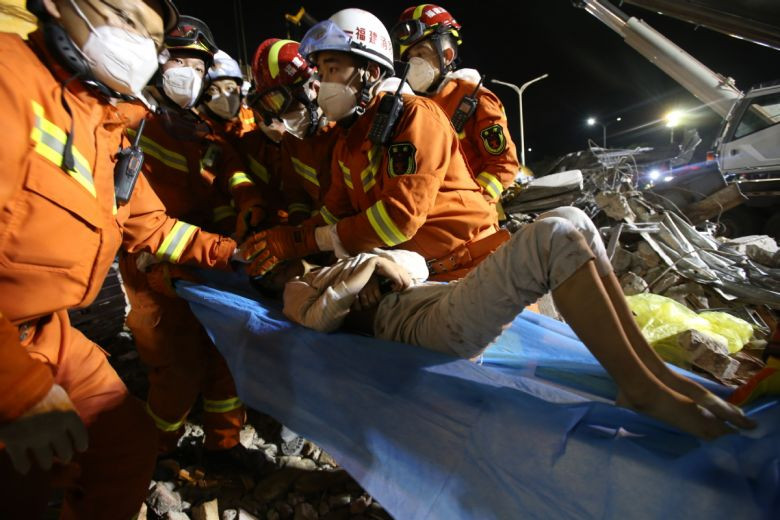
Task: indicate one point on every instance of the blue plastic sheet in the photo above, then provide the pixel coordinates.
(526, 434)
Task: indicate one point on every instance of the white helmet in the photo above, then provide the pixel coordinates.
(225, 67)
(354, 31)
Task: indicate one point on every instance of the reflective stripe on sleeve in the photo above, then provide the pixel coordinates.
(347, 175)
(238, 179)
(260, 171)
(384, 226)
(299, 207)
(329, 217)
(175, 241)
(162, 424)
(222, 406)
(491, 184)
(305, 171)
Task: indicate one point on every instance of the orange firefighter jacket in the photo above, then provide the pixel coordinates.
(487, 145)
(196, 178)
(60, 230)
(415, 193)
(305, 170)
(260, 155)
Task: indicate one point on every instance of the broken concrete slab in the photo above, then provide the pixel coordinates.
(206, 511)
(632, 284)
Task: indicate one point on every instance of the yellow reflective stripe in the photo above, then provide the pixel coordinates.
(50, 143)
(223, 212)
(168, 157)
(462, 135)
(162, 424)
(305, 171)
(222, 406)
(273, 57)
(347, 175)
(258, 169)
(249, 121)
(239, 178)
(329, 217)
(384, 226)
(491, 184)
(173, 245)
(368, 176)
(299, 207)
(418, 11)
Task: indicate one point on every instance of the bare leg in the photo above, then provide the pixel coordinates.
(655, 364)
(585, 305)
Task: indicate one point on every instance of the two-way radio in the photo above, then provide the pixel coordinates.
(128, 168)
(466, 107)
(390, 108)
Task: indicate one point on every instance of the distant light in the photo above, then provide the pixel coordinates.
(673, 118)
(654, 174)
(530, 149)
(619, 119)
(668, 178)
(591, 121)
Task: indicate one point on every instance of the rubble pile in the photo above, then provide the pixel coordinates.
(308, 485)
(664, 244)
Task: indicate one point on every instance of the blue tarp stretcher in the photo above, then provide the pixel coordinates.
(528, 433)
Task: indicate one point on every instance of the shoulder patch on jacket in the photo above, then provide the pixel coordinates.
(401, 159)
(493, 139)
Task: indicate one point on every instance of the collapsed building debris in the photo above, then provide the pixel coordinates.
(662, 241)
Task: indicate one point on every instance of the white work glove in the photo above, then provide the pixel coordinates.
(51, 428)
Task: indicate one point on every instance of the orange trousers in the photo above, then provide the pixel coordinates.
(110, 479)
(183, 363)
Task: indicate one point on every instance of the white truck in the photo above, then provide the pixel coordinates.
(747, 149)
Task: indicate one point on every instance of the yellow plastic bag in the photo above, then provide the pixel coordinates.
(661, 318)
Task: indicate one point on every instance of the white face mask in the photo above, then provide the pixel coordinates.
(122, 60)
(225, 106)
(182, 85)
(421, 74)
(336, 100)
(297, 123)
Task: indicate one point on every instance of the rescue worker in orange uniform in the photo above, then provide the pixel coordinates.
(66, 419)
(427, 37)
(258, 144)
(414, 191)
(189, 166)
(285, 91)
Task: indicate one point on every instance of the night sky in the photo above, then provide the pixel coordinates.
(592, 72)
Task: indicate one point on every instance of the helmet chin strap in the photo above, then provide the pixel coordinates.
(444, 67)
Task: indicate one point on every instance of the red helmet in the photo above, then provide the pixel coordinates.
(420, 22)
(278, 64)
(278, 71)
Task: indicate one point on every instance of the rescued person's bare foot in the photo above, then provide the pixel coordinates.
(706, 399)
(678, 411)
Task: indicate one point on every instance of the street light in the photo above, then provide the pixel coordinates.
(520, 91)
(673, 119)
(593, 121)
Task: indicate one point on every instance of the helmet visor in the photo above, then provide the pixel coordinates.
(190, 36)
(324, 36)
(272, 103)
(407, 33)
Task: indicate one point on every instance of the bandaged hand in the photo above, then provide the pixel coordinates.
(50, 430)
(264, 250)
